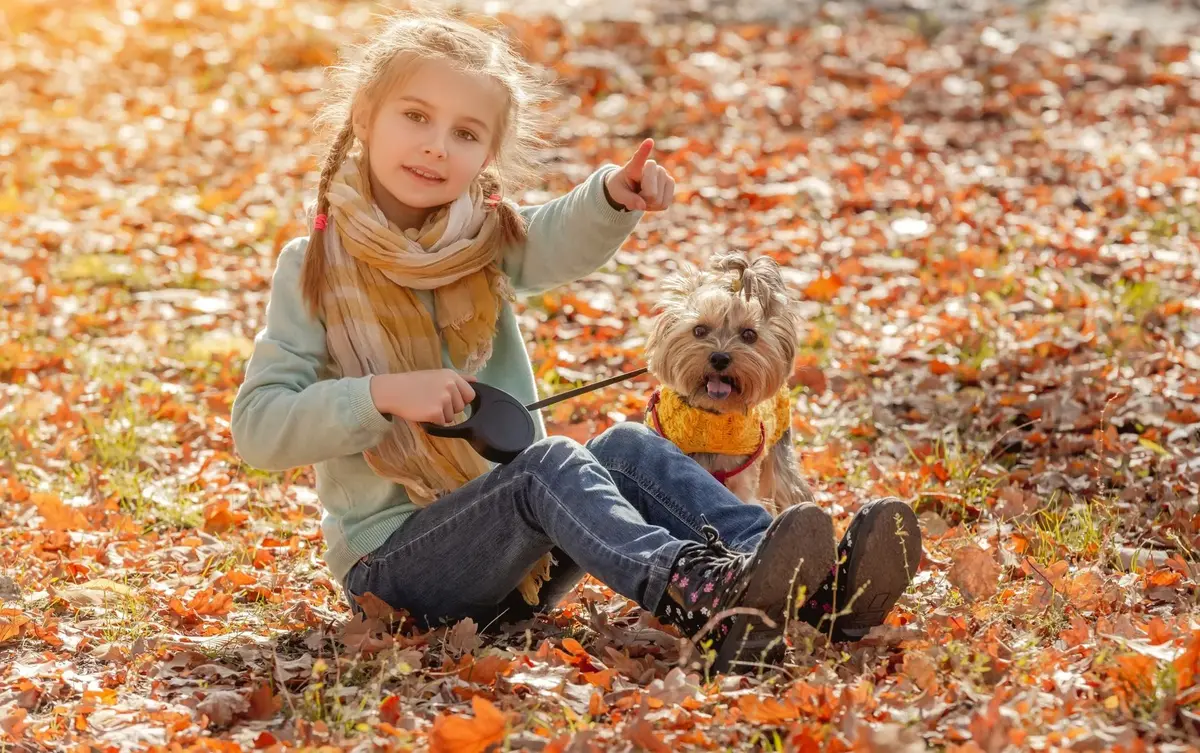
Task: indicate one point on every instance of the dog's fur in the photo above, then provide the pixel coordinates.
(678, 354)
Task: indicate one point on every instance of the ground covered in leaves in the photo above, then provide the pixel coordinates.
(991, 227)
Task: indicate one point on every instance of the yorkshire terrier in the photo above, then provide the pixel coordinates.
(722, 346)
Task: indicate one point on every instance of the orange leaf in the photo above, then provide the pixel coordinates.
(460, 734)
(1157, 632)
(823, 288)
(1187, 665)
(601, 679)
(389, 710)
(596, 706)
(17, 491)
(823, 463)
(10, 630)
(218, 517)
(574, 647)
(767, 710)
(484, 671)
(1136, 673)
(1164, 578)
(211, 603)
(14, 723)
(239, 578)
(939, 367)
(57, 516)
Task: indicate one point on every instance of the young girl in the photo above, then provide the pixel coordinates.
(400, 299)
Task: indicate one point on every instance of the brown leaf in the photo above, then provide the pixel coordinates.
(920, 669)
(377, 608)
(641, 733)
(460, 734)
(811, 377)
(974, 573)
(1012, 502)
(222, 706)
(463, 638)
(1078, 634)
(263, 702)
(362, 635)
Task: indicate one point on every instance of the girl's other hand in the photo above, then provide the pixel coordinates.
(436, 396)
(641, 183)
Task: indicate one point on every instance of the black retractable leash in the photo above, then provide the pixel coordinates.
(499, 427)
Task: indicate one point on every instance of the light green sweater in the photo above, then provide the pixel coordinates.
(288, 414)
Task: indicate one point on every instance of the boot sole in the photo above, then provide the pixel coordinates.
(798, 551)
(882, 565)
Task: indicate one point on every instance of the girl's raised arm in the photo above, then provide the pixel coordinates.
(576, 234)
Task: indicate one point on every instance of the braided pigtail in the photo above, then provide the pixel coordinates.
(312, 274)
(512, 225)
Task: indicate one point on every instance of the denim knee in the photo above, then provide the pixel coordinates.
(551, 455)
(628, 439)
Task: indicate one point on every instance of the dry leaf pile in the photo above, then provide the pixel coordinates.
(992, 231)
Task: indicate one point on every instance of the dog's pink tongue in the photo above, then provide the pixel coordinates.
(718, 389)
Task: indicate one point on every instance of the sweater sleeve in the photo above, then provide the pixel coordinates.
(569, 237)
(284, 415)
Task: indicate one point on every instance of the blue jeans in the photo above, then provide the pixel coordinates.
(619, 508)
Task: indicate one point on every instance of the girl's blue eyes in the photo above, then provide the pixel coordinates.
(418, 117)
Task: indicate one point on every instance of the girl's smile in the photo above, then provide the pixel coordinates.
(424, 175)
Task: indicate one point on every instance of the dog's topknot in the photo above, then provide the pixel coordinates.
(758, 280)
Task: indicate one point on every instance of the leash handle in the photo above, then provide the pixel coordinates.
(577, 391)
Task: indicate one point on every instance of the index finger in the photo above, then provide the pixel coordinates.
(637, 162)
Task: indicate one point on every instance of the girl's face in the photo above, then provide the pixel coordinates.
(429, 138)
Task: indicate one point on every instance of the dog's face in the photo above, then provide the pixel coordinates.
(725, 339)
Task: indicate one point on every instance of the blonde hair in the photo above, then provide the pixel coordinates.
(409, 38)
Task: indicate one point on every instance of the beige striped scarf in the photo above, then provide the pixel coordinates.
(375, 323)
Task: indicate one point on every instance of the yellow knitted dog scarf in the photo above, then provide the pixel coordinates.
(694, 430)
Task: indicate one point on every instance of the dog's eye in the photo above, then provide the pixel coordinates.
(749, 336)
(700, 330)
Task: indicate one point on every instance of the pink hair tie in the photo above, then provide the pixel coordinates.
(491, 202)
(319, 222)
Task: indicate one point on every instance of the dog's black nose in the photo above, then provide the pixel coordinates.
(720, 361)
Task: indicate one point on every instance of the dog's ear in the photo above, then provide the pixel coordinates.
(675, 292)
